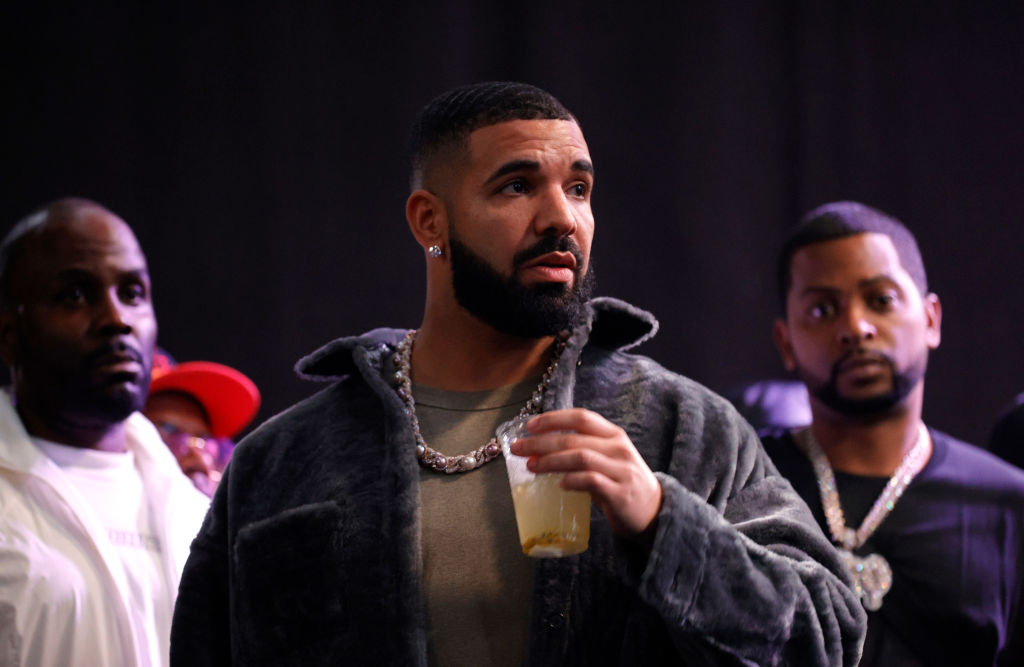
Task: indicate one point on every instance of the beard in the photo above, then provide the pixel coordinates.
(511, 307)
(871, 407)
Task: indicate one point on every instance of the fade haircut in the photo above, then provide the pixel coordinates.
(444, 125)
(843, 219)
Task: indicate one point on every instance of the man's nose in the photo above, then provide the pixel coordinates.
(113, 313)
(557, 215)
(856, 326)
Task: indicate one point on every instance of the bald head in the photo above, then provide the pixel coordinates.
(46, 225)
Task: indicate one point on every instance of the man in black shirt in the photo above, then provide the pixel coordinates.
(931, 529)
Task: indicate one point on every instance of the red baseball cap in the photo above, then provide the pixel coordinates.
(229, 398)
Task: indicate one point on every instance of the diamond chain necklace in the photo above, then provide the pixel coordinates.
(872, 575)
(434, 459)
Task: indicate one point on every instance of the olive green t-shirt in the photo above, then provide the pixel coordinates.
(477, 583)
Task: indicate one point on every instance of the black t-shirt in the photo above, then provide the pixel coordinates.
(955, 542)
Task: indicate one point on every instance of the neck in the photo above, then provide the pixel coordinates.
(66, 430)
(868, 447)
(458, 352)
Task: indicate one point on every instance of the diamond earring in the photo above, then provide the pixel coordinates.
(434, 251)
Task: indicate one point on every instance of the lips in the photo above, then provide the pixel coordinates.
(554, 267)
(555, 260)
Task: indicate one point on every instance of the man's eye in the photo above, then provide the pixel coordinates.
(516, 187)
(72, 295)
(133, 293)
(822, 311)
(168, 427)
(579, 190)
(883, 301)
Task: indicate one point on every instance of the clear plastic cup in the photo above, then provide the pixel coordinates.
(552, 522)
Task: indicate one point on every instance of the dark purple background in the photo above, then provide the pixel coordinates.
(260, 156)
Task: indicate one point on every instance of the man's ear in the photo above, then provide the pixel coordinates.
(427, 216)
(8, 336)
(933, 315)
(780, 333)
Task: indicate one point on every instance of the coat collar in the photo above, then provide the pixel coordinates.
(608, 323)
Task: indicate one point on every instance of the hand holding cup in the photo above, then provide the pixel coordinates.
(596, 456)
(552, 522)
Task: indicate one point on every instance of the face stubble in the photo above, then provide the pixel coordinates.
(871, 407)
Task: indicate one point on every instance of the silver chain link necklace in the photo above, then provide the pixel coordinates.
(434, 459)
(871, 574)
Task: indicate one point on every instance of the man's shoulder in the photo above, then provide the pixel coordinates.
(966, 464)
(621, 370)
(339, 400)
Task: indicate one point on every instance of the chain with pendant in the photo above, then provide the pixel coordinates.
(871, 574)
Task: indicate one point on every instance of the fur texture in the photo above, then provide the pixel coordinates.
(311, 553)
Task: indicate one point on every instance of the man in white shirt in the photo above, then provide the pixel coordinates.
(95, 516)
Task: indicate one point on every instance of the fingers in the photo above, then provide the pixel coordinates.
(596, 456)
(574, 419)
(593, 443)
(575, 428)
(542, 444)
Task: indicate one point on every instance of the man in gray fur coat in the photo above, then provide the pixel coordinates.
(372, 524)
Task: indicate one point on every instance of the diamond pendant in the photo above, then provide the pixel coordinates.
(872, 577)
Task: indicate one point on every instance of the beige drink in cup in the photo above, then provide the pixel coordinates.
(552, 522)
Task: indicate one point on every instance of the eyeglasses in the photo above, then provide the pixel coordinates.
(216, 451)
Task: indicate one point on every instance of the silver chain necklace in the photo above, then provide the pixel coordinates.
(872, 575)
(434, 459)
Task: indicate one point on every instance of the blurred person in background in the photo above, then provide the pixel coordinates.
(199, 407)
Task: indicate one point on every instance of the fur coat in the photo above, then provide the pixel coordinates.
(310, 552)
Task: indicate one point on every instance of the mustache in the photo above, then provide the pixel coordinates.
(861, 354)
(549, 244)
(115, 347)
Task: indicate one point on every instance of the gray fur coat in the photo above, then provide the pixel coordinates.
(310, 552)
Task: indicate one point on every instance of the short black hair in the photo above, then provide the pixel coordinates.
(843, 219)
(448, 120)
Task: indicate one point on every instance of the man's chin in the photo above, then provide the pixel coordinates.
(861, 405)
(864, 394)
(115, 402)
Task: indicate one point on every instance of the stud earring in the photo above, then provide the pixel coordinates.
(434, 251)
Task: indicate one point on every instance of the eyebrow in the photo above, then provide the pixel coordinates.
(82, 274)
(866, 282)
(512, 167)
(583, 165)
(534, 166)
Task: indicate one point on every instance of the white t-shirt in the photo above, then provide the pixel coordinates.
(112, 485)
